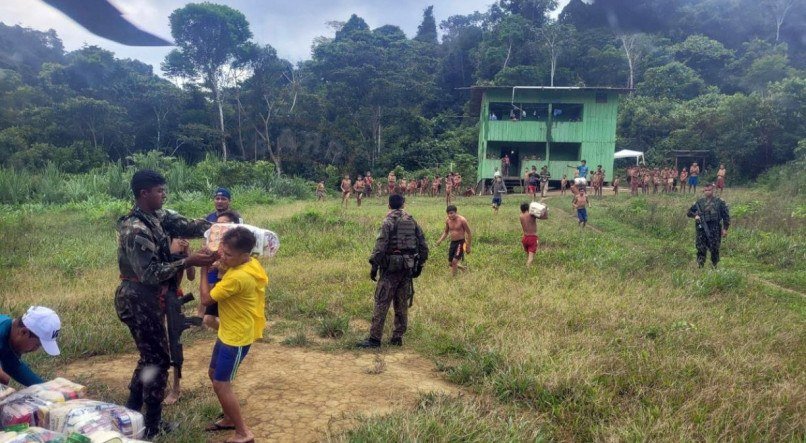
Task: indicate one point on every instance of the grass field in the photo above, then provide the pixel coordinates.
(615, 334)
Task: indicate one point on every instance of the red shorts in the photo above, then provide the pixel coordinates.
(531, 189)
(720, 183)
(530, 243)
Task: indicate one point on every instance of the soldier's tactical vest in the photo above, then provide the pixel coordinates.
(710, 210)
(402, 245)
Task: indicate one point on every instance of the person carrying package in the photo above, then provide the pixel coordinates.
(241, 298)
(38, 327)
(146, 271)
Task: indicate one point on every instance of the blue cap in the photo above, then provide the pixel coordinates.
(223, 192)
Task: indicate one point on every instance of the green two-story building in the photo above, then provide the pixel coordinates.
(542, 125)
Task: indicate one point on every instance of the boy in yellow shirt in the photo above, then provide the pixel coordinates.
(241, 298)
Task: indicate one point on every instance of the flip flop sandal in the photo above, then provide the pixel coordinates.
(216, 427)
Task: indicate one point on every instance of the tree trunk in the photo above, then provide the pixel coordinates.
(553, 66)
(266, 136)
(217, 95)
(240, 131)
(509, 53)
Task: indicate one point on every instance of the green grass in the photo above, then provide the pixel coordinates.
(612, 335)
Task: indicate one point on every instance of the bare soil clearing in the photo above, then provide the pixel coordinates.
(297, 394)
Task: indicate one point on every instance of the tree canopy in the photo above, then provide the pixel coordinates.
(708, 74)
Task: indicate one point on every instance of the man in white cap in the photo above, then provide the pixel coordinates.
(38, 327)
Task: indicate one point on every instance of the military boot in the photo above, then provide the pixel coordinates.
(155, 425)
(135, 401)
(368, 343)
(396, 341)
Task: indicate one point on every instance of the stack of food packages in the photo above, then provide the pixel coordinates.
(56, 411)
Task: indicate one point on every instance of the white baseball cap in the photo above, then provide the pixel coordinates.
(45, 324)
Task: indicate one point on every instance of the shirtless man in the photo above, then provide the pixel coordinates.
(456, 226)
(435, 186)
(580, 203)
(530, 240)
(358, 187)
(563, 184)
(683, 179)
(633, 181)
(392, 182)
(720, 178)
(693, 177)
(346, 189)
(402, 186)
(615, 185)
(368, 181)
(320, 191)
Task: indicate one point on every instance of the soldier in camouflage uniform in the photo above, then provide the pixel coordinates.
(400, 254)
(713, 221)
(146, 270)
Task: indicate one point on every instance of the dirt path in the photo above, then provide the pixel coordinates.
(298, 394)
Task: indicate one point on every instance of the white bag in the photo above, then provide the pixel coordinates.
(267, 241)
(581, 181)
(539, 210)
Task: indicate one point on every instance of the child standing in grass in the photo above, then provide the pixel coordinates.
(241, 298)
(580, 203)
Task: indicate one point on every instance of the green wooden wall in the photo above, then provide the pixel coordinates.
(596, 132)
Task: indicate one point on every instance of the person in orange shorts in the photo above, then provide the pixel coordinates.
(530, 240)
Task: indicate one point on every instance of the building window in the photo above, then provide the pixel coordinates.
(564, 151)
(566, 112)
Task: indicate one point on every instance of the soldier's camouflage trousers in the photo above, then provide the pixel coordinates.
(138, 307)
(394, 289)
(703, 246)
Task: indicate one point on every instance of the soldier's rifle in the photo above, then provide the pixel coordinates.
(702, 225)
(177, 322)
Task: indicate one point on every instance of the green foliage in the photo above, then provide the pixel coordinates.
(709, 75)
(332, 327)
(674, 80)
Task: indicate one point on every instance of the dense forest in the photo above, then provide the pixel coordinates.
(723, 75)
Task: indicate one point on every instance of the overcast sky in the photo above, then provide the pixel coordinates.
(289, 26)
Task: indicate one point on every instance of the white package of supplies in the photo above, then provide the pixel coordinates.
(581, 181)
(539, 210)
(21, 408)
(267, 241)
(56, 390)
(86, 416)
(32, 435)
(5, 391)
(32, 404)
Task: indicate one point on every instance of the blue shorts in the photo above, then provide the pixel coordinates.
(692, 181)
(497, 201)
(226, 359)
(582, 214)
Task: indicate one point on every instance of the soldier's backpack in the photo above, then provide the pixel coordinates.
(405, 235)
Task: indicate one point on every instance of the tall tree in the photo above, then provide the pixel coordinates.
(633, 49)
(556, 38)
(211, 39)
(779, 10)
(427, 31)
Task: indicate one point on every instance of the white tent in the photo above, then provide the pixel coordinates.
(626, 153)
